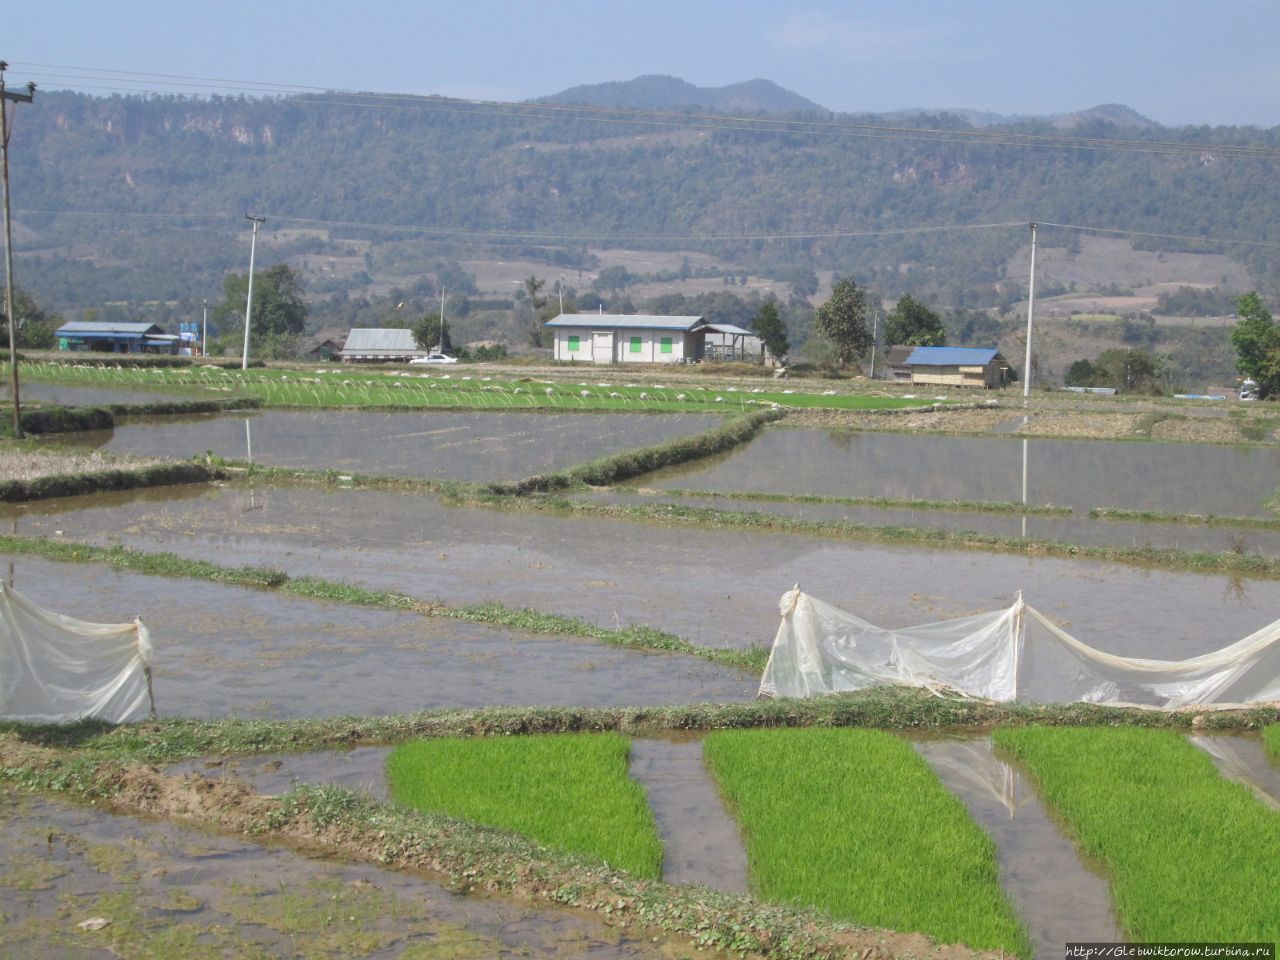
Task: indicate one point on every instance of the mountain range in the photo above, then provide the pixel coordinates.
(661, 92)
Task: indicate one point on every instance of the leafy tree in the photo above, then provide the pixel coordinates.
(613, 279)
(769, 327)
(913, 324)
(427, 332)
(1129, 371)
(802, 281)
(35, 327)
(1256, 340)
(279, 310)
(842, 321)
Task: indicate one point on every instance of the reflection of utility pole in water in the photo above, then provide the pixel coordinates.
(1024, 483)
(13, 531)
(248, 455)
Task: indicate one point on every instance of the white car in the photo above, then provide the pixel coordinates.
(434, 358)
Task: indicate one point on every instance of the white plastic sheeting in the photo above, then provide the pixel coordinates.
(55, 669)
(1014, 654)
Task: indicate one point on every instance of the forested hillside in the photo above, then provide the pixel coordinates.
(142, 199)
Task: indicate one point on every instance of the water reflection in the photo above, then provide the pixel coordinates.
(1055, 893)
(1082, 474)
(458, 445)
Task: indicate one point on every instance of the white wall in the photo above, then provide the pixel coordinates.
(650, 345)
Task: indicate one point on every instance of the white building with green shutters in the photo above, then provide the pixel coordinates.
(628, 338)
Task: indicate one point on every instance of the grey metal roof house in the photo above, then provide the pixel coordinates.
(627, 338)
(958, 366)
(380, 345)
(129, 337)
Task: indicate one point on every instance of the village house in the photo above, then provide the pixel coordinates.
(627, 338)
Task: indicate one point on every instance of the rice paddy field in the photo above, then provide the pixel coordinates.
(445, 566)
(1191, 856)
(853, 822)
(569, 792)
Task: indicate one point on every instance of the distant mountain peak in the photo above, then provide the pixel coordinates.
(662, 92)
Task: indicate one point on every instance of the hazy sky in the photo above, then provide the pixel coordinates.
(1176, 61)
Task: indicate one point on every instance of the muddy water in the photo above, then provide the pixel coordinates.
(700, 839)
(717, 587)
(1180, 478)
(174, 891)
(362, 769)
(230, 651)
(1072, 529)
(87, 396)
(1055, 894)
(451, 445)
(1245, 760)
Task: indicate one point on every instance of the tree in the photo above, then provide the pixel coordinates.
(35, 327)
(427, 333)
(842, 321)
(279, 310)
(803, 282)
(913, 324)
(1256, 340)
(769, 327)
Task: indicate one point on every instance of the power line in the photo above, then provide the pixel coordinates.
(498, 236)
(628, 116)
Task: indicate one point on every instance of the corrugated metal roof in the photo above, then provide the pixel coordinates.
(381, 340)
(94, 328)
(951, 356)
(621, 321)
(730, 329)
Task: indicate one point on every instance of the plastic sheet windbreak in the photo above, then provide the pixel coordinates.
(1006, 655)
(56, 669)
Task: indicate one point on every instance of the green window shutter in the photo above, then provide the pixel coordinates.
(635, 344)
(666, 344)
(574, 343)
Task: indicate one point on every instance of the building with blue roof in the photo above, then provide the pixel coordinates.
(107, 337)
(958, 367)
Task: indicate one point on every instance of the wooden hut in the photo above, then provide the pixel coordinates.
(958, 367)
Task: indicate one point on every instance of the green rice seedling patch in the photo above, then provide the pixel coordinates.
(571, 793)
(457, 388)
(1271, 737)
(1192, 856)
(855, 823)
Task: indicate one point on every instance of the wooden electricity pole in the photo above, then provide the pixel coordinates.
(5, 97)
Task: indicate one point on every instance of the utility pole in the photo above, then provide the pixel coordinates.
(204, 330)
(1031, 308)
(440, 345)
(561, 291)
(875, 339)
(5, 97)
(248, 306)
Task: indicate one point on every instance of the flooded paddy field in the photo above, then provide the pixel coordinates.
(1057, 892)
(1170, 477)
(225, 651)
(440, 445)
(80, 882)
(69, 396)
(1068, 529)
(711, 586)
